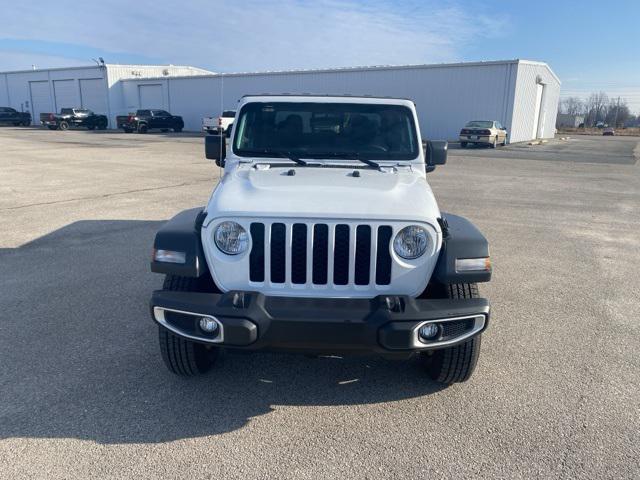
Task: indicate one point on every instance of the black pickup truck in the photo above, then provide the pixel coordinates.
(10, 116)
(74, 117)
(145, 120)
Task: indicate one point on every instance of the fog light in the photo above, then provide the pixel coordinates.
(208, 325)
(428, 331)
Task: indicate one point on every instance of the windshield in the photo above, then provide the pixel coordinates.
(480, 124)
(326, 130)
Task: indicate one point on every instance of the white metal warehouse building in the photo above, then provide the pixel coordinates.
(523, 95)
(97, 87)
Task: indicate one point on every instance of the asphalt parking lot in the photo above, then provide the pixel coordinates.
(83, 392)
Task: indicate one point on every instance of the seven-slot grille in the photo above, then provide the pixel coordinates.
(320, 254)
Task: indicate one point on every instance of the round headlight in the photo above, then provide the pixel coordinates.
(231, 238)
(411, 242)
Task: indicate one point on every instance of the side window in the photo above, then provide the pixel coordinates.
(4, 110)
(160, 113)
(144, 113)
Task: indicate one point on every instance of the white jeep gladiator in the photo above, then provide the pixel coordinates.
(322, 237)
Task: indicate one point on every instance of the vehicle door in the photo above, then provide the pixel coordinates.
(161, 119)
(80, 118)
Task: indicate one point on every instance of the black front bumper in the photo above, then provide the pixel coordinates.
(253, 321)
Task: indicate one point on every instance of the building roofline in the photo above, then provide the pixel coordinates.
(207, 73)
(541, 64)
(121, 65)
(359, 69)
(55, 69)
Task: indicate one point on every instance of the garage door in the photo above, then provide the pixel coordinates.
(66, 94)
(150, 96)
(40, 99)
(93, 95)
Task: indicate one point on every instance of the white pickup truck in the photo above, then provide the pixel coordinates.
(323, 237)
(221, 124)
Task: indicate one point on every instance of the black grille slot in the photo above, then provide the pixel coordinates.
(256, 257)
(363, 254)
(299, 253)
(383, 258)
(320, 254)
(341, 255)
(278, 252)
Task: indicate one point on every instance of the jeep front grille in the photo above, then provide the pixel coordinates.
(320, 254)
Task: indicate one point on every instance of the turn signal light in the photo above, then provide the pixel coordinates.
(473, 264)
(169, 256)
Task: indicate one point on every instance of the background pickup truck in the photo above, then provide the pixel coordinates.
(11, 116)
(221, 124)
(145, 120)
(74, 117)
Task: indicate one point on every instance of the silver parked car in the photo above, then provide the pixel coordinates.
(485, 132)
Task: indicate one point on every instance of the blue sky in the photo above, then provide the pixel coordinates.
(591, 45)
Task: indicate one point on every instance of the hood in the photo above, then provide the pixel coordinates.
(313, 192)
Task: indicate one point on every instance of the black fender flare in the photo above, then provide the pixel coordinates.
(182, 234)
(460, 239)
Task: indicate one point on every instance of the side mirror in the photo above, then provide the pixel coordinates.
(215, 148)
(435, 154)
(228, 133)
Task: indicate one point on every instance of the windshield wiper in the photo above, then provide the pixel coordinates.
(272, 153)
(293, 158)
(349, 156)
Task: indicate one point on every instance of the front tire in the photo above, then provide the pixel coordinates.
(181, 356)
(457, 363)
(63, 126)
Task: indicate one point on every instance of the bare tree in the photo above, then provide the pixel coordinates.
(571, 106)
(617, 112)
(596, 107)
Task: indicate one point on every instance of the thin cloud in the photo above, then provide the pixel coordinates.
(255, 35)
(10, 61)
